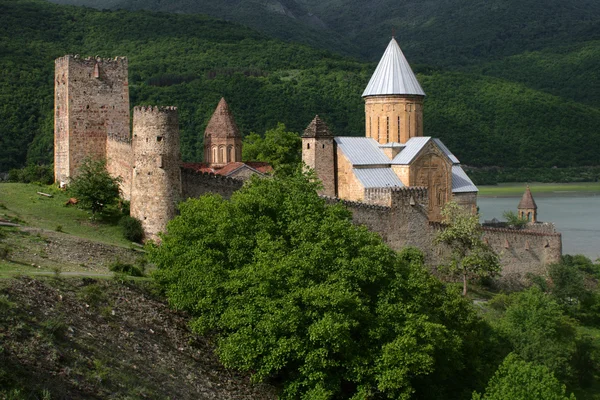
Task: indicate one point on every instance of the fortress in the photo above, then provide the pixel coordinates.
(394, 180)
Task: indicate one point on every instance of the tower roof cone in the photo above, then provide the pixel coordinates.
(221, 123)
(317, 128)
(527, 201)
(393, 75)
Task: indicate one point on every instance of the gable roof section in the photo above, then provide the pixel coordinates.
(393, 75)
(461, 183)
(446, 151)
(362, 151)
(377, 177)
(411, 148)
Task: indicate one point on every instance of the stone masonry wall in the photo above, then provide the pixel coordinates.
(156, 184)
(119, 162)
(393, 118)
(196, 184)
(91, 103)
(405, 223)
(349, 188)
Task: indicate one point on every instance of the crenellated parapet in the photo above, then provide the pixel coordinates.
(197, 183)
(407, 197)
(356, 204)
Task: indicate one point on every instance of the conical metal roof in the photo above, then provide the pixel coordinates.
(393, 75)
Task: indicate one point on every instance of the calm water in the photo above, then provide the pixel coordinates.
(576, 217)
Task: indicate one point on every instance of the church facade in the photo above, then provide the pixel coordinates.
(393, 153)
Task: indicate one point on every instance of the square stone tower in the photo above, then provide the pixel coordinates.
(91, 103)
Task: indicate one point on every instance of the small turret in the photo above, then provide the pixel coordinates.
(527, 207)
(318, 153)
(156, 183)
(222, 138)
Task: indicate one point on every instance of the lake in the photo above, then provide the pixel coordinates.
(576, 216)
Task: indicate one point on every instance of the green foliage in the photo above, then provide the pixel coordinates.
(513, 220)
(520, 380)
(298, 293)
(132, 228)
(119, 267)
(280, 148)
(93, 186)
(43, 174)
(191, 61)
(539, 332)
(470, 255)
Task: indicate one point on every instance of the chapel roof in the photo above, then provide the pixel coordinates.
(317, 128)
(527, 201)
(221, 123)
(393, 75)
(414, 145)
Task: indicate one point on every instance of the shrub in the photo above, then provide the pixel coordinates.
(119, 267)
(43, 174)
(132, 229)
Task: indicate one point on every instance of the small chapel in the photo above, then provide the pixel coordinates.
(393, 153)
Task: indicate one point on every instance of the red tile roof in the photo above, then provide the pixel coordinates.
(261, 167)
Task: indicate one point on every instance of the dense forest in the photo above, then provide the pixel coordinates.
(190, 61)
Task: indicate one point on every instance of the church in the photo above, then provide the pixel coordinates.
(393, 153)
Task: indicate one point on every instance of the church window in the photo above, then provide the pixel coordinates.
(370, 127)
(378, 129)
(96, 71)
(229, 154)
(398, 128)
(214, 155)
(388, 130)
(308, 146)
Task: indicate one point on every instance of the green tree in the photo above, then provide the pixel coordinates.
(470, 255)
(299, 293)
(279, 147)
(94, 187)
(539, 332)
(520, 380)
(514, 220)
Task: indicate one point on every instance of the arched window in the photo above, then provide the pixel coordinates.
(229, 154)
(215, 156)
(222, 155)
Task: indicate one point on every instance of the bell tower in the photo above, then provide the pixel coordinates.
(393, 99)
(222, 138)
(527, 207)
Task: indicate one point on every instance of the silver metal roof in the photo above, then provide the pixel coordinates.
(390, 145)
(446, 151)
(362, 151)
(377, 177)
(393, 75)
(411, 148)
(461, 183)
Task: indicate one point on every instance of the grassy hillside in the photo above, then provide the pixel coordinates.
(190, 61)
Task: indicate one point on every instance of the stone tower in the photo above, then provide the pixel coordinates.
(156, 183)
(222, 138)
(91, 103)
(527, 207)
(318, 152)
(393, 99)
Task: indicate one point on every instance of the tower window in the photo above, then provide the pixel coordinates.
(388, 130)
(308, 146)
(323, 146)
(159, 138)
(398, 128)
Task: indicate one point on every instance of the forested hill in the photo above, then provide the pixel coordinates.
(552, 45)
(190, 61)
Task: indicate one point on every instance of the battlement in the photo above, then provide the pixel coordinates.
(90, 61)
(524, 232)
(118, 138)
(155, 110)
(355, 204)
(409, 196)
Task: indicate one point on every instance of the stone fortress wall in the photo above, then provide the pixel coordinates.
(400, 217)
(92, 120)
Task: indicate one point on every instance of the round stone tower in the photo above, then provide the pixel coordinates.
(156, 182)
